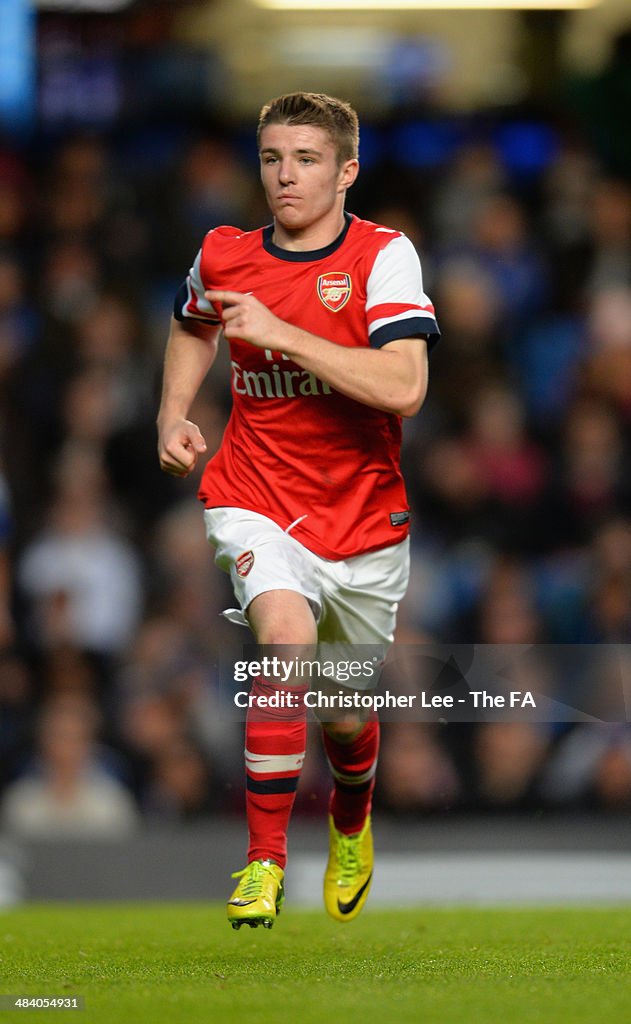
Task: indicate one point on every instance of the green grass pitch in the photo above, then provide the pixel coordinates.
(183, 964)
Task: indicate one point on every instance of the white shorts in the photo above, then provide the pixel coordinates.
(354, 601)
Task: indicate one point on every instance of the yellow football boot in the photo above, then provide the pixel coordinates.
(349, 872)
(259, 895)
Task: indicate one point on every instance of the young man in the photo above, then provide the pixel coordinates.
(328, 327)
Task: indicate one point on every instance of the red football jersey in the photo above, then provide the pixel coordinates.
(314, 461)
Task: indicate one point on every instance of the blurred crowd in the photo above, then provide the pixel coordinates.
(112, 709)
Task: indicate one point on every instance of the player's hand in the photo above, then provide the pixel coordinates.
(180, 443)
(246, 318)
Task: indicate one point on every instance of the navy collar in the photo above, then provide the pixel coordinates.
(308, 255)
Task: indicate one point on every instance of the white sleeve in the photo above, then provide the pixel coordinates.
(190, 301)
(396, 305)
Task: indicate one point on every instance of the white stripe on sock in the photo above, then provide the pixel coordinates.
(351, 780)
(260, 764)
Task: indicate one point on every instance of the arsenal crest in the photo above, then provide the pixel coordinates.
(244, 563)
(334, 290)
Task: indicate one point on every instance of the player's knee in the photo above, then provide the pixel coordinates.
(284, 635)
(344, 730)
(283, 620)
(297, 632)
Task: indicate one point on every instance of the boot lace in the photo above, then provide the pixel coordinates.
(349, 859)
(253, 875)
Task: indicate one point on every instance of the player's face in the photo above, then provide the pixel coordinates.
(304, 184)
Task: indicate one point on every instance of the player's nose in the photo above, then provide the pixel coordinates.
(286, 172)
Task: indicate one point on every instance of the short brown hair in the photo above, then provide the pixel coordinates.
(336, 117)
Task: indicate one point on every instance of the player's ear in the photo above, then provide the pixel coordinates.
(348, 173)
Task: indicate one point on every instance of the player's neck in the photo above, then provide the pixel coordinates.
(316, 236)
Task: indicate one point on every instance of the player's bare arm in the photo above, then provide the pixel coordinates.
(392, 378)
(190, 352)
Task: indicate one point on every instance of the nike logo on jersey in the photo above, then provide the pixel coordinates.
(346, 908)
(399, 518)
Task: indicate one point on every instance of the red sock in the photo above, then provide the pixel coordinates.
(275, 740)
(353, 766)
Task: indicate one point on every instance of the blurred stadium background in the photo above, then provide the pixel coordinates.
(499, 140)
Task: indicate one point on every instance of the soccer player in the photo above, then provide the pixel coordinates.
(328, 328)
